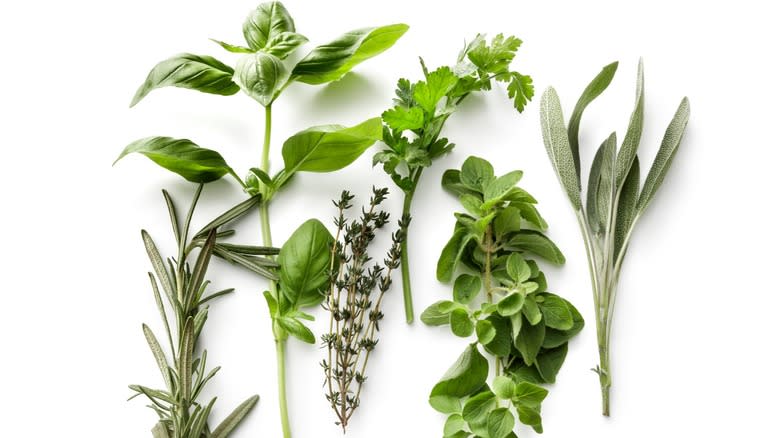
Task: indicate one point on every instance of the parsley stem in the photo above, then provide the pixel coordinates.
(407, 284)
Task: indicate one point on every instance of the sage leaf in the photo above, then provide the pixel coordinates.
(234, 419)
(330, 147)
(331, 61)
(303, 264)
(595, 217)
(669, 145)
(266, 22)
(556, 141)
(607, 187)
(467, 375)
(261, 76)
(181, 156)
(627, 207)
(591, 92)
(625, 156)
(185, 70)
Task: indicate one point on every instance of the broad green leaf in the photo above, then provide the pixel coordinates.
(517, 268)
(436, 85)
(303, 264)
(159, 356)
(261, 76)
(471, 203)
(460, 323)
(591, 92)
(283, 44)
(451, 181)
(476, 173)
(537, 243)
(446, 404)
(531, 311)
(556, 312)
(626, 209)
(508, 220)
(402, 119)
(467, 375)
(666, 153)
(438, 313)
(501, 345)
(266, 22)
(555, 338)
(451, 254)
(531, 214)
(333, 60)
(511, 304)
(504, 387)
(529, 416)
(529, 341)
(500, 186)
(529, 394)
(185, 70)
(549, 362)
(500, 423)
(454, 424)
(466, 288)
(329, 148)
(556, 141)
(485, 331)
(234, 419)
(476, 411)
(297, 329)
(625, 156)
(181, 156)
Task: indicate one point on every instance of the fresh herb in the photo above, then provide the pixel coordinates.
(186, 374)
(501, 302)
(263, 71)
(353, 302)
(412, 128)
(614, 202)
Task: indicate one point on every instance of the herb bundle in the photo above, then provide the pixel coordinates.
(614, 202)
(185, 375)
(412, 128)
(503, 301)
(351, 299)
(263, 71)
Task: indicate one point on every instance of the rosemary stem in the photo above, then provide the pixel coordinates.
(406, 281)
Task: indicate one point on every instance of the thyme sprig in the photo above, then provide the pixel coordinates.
(354, 300)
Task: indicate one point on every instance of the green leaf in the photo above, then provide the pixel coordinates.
(333, 60)
(446, 404)
(283, 44)
(297, 329)
(507, 221)
(266, 22)
(591, 92)
(500, 423)
(402, 119)
(517, 268)
(159, 356)
(330, 147)
(230, 215)
(234, 419)
(159, 267)
(496, 57)
(530, 417)
(232, 48)
(531, 312)
(596, 218)
(181, 156)
(501, 345)
(471, 203)
(529, 341)
(477, 409)
(476, 173)
(626, 208)
(303, 264)
(436, 85)
(261, 76)
(556, 141)
(185, 70)
(499, 187)
(511, 304)
(555, 338)
(454, 424)
(450, 255)
(504, 387)
(466, 288)
(450, 180)
(556, 312)
(461, 324)
(529, 394)
(520, 90)
(666, 153)
(537, 243)
(467, 375)
(549, 362)
(625, 156)
(607, 188)
(531, 214)
(485, 331)
(438, 313)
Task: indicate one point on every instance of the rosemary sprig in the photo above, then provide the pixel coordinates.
(180, 413)
(354, 300)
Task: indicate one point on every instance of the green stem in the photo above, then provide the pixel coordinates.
(407, 284)
(265, 228)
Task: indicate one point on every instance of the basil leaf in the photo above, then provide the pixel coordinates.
(283, 44)
(328, 148)
(303, 264)
(467, 375)
(297, 329)
(181, 156)
(231, 47)
(185, 70)
(537, 243)
(556, 142)
(261, 76)
(331, 61)
(266, 22)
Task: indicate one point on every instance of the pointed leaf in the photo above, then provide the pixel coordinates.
(261, 76)
(234, 419)
(264, 23)
(159, 267)
(537, 243)
(556, 141)
(181, 156)
(466, 288)
(467, 375)
(627, 209)
(283, 44)
(500, 423)
(303, 264)
(529, 341)
(625, 156)
(230, 215)
(159, 356)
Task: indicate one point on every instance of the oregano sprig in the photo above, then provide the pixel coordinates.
(354, 300)
(501, 303)
(413, 126)
(614, 202)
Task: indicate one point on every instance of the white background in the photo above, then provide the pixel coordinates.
(695, 346)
